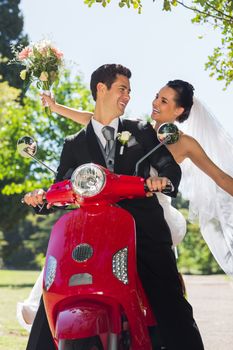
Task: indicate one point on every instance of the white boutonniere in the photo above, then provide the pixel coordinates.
(123, 137)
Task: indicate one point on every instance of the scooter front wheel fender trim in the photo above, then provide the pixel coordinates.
(86, 321)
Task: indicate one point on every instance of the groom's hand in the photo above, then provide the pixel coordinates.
(156, 183)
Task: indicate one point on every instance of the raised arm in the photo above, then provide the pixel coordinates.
(198, 156)
(81, 117)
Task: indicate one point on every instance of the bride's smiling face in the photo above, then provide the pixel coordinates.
(164, 107)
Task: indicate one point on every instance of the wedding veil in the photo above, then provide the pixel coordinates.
(208, 203)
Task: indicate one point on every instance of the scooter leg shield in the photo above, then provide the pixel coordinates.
(82, 322)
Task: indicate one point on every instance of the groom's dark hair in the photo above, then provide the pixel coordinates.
(107, 74)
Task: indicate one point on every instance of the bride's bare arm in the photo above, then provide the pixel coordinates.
(198, 156)
(81, 117)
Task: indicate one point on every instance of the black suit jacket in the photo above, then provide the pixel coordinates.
(83, 147)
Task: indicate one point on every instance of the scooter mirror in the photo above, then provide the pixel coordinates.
(169, 133)
(27, 147)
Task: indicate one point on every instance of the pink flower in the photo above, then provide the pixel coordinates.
(57, 53)
(24, 53)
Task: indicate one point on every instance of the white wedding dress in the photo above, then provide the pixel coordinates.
(211, 206)
(28, 308)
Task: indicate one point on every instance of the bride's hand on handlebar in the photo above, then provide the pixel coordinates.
(156, 184)
(35, 198)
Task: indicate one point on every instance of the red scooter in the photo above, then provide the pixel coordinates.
(92, 293)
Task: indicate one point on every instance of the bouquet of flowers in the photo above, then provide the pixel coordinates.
(42, 63)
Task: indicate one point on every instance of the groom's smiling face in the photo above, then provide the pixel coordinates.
(117, 97)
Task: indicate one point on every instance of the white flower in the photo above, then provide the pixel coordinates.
(44, 76)
(43, 44)
(23, 74)
(124, 137)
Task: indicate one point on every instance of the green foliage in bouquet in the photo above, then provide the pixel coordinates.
(42, 62)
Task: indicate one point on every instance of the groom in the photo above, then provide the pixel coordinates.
(156, 263)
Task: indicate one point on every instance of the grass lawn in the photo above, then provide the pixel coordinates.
(14, 286)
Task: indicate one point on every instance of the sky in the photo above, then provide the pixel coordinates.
(157, 46)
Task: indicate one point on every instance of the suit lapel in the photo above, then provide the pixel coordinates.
(93, 146)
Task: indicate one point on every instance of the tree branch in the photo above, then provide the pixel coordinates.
(220, 12)
(206, 13)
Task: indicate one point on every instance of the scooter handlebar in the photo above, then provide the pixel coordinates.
(166, 190)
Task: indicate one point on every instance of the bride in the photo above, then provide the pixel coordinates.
(206, 183)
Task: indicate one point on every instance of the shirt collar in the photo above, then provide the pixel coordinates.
(97, 126)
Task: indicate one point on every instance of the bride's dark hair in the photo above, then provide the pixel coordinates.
(184, 97)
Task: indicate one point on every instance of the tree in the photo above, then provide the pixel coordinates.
(216, 13)
(11, 33)
(19, 175)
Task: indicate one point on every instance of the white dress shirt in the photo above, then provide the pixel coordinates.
(97, 126)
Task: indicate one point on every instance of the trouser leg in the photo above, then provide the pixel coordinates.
(40, 337)
(158, 272)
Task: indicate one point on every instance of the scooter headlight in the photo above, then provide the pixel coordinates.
(88, 180)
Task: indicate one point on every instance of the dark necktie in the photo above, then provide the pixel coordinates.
(108, 133)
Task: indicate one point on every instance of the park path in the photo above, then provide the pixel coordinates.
(212, 301)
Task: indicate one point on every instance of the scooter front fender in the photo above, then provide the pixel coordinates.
(82, 322)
